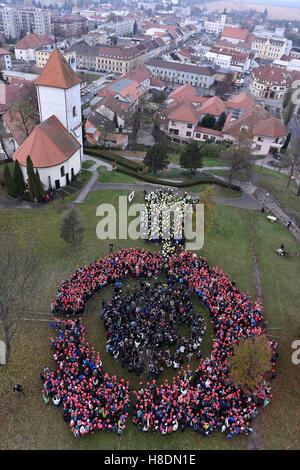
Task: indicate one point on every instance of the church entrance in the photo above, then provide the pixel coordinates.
(57, 184)
(72, 174)
(67, 179)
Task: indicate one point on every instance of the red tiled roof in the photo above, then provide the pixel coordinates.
(214, 106)
(234, 33)
(240, 101)
(208, 131)
(271, 127)
(4, 52)
(57, 73)
(271, 74)
(184, 112)
(32, 41)
(259, 121)
(49, 144)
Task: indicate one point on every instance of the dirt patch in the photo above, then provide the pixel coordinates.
(275, 12)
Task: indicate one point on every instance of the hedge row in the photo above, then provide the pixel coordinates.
(131, 168)
(113, 157)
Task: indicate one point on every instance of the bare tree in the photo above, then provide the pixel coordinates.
(18, 280)
(239, 156)
(3, 135)
(24, 110)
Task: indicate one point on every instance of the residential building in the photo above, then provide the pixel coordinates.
(181, 120)
(234, 35)
(229, 59)
(174, 72)
(25, 19)
(25, 48)
(215, 26)
(69, 25)
(5, 59)
(269, 82)
(269, 48)
(43, 53)
(9, 24)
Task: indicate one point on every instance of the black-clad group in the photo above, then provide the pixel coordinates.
(143, 327)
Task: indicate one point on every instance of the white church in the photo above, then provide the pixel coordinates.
(55, 145)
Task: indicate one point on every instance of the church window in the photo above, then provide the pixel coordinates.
(74, 111)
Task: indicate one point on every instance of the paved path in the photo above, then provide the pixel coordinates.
(245, 202)
(94, 170)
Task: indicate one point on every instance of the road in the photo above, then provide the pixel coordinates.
(293, 127)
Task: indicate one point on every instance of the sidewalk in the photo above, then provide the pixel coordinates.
(94, 170)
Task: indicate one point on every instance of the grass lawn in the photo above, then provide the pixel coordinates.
(88, 163)
(29, 424)
(276, 184)
(114, 176)
(89, 77)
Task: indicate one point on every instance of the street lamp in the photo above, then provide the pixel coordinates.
(263, 204)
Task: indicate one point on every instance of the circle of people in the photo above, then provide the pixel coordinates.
(205, 400)
(143, 327)
(164, 218)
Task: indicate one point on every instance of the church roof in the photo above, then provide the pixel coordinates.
(57, 73)
(49, 144)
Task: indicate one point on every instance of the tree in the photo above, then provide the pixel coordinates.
(71, 229)
(191, 157)
(112, 18)
(210, 150)
(208, 121)
(223, 87)
(3, 135)
(287, 141)
(288, 113)
(251, 360)
(206, 198)
(24, 110)
(239, 156)
(221, 121)
(31, 177)
(115, 120)
(9, 183)
(287, 98)
(39, 186)
(19, 277)
(156, 158)
(291, 161)
(18, 179)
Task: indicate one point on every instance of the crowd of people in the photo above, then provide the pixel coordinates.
(164, 218)
(90, 399)
(204, 400)
(143, 327)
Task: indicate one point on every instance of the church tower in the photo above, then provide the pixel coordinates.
(58, 92)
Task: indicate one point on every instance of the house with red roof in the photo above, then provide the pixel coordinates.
(181, 120)
(269, 82)
(25, 47)
(269, 133)
(5, 59)
(234, 35)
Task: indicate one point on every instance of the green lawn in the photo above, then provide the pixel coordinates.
(114, 176)
(28, 424)
(275, 183)
(89, 77)
(88, 163)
